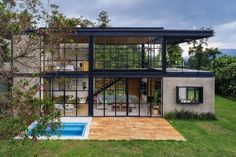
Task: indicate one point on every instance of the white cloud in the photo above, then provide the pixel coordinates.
(155, 13)
(185, 48)
(228, 26)
(225, 36)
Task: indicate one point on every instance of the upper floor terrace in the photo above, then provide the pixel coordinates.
(118, 50)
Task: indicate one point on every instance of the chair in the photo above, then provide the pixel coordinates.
(100, 103)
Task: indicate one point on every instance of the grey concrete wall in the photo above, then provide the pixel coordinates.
(169, 94)
(26, 54)
(26, 59)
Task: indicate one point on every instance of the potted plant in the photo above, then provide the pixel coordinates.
(84, 86)
(156, 103)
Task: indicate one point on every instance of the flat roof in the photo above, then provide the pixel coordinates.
(138, 35)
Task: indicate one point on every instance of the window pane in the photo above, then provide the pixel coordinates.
(190, 94)
(197, 94)
(58, 97)
(70, 110)
(182, 93)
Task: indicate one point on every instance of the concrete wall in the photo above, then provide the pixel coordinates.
(169, 94)
(26, 54)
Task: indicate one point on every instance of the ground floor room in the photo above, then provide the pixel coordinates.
(126, 96)
(111, 96)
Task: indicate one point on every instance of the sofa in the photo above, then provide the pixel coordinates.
(110, 99)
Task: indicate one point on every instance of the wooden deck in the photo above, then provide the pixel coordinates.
(131, 128)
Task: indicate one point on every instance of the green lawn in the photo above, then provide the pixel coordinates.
(204, 138)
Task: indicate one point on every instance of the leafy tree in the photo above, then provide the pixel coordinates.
(204, 60)
(20, 107)
(225, 74)
(103, 19)
(24, 109)
(212, 53)
(174, 55)
(58, 20)
(224, 67)
(198, 59)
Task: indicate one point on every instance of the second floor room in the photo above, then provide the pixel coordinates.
(107, 49)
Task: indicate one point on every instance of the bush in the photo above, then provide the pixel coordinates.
(9, 127)
(190, 115)
(170, 115)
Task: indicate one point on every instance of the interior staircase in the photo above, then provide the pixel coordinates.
(101, 86)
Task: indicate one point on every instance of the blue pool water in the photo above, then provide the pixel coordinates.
(67, 129)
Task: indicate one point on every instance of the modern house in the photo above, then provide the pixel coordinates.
(119, 71)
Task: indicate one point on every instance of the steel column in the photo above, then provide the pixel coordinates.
(164, 54)
(90, 58)
(142, 56)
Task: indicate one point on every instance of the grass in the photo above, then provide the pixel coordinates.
(204, 138)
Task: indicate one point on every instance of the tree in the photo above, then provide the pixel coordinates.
(212, 54)
(103, 19)
(58, 20)
(19, 106)
(198, 59)
(224, 67)
(174, 55)
(225, 75)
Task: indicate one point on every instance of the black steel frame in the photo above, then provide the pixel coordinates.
(126, 90)
(195, 88)
(163, 36)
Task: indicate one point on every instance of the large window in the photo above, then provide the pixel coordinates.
(117, 57)
(65, 57)
(189, 95)
(70, 95)
(127, 53)
(126, 96)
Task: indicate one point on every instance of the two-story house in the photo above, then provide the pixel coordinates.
(120, 71)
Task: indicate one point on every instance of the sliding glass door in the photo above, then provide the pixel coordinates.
(126, 96)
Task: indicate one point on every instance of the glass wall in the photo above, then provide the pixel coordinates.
(109, 97)
(69, 95)
(125, 53)
(127, 97)
(65, 56)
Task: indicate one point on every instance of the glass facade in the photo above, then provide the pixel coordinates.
(86, 75)
(111, 96)
(127, 53)
(67, 57)
(70, 95)
(125, 96)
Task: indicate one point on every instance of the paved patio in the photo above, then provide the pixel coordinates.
(109, 128)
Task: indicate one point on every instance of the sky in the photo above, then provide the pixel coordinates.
(219, 15)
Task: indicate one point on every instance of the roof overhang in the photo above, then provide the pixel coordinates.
(137, 35)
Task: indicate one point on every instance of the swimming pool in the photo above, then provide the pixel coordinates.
(68, 129)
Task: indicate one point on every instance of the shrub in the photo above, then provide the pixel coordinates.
(170, 115)
(190, 115)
